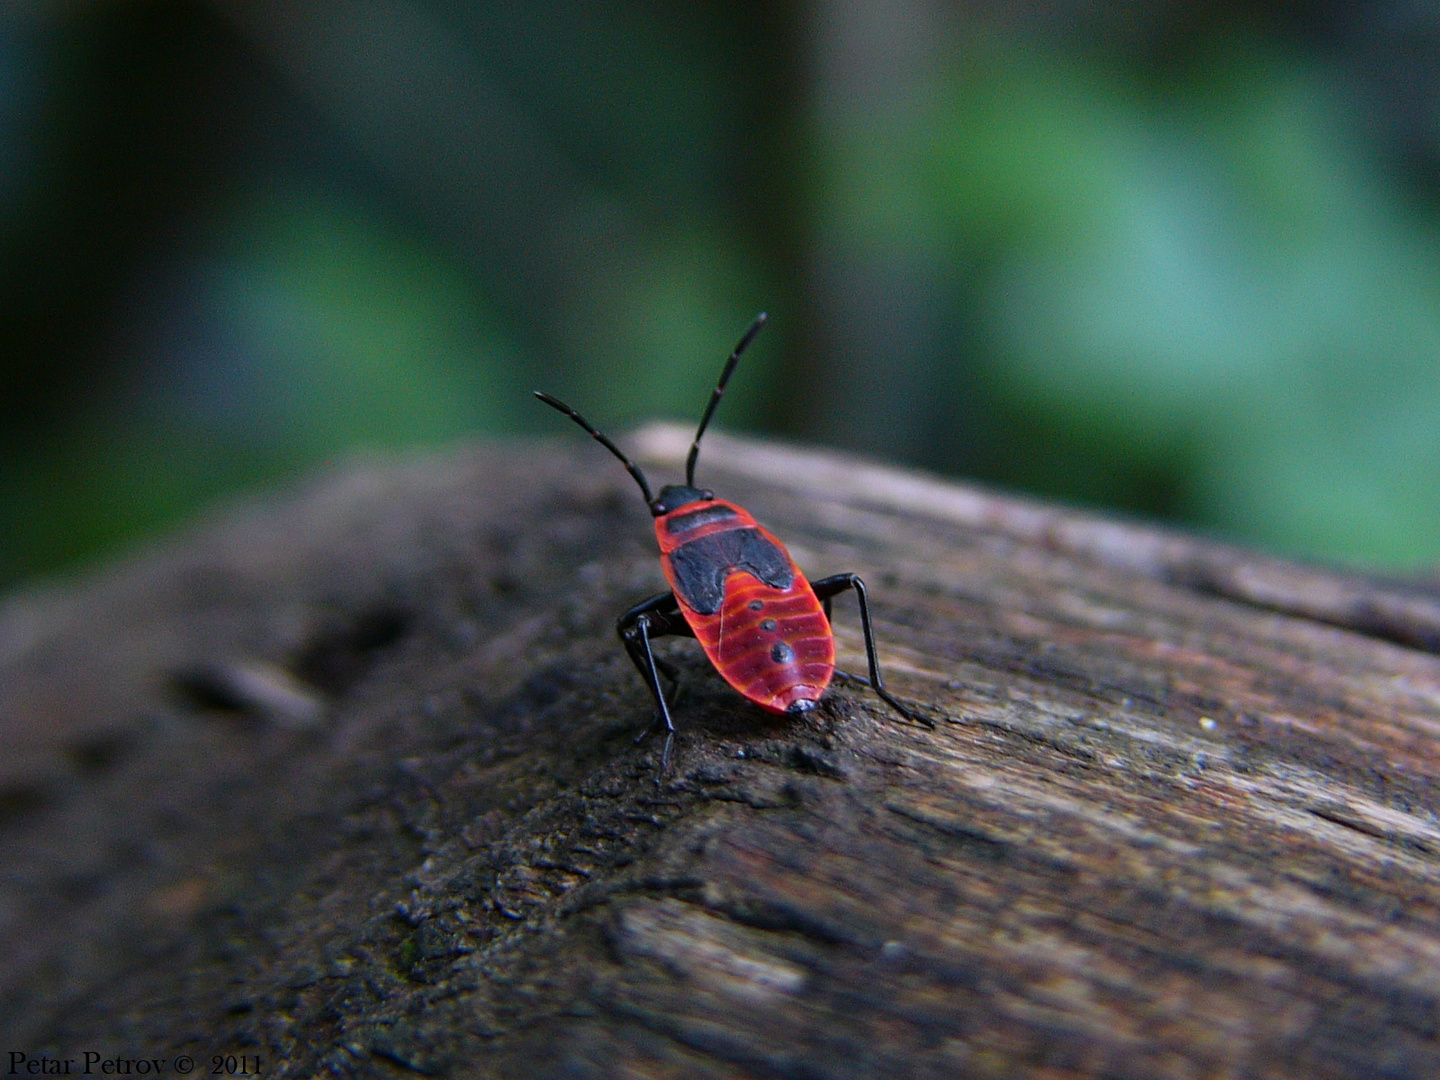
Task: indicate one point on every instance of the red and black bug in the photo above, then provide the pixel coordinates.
(735, 589)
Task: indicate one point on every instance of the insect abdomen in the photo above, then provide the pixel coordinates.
(773, 645)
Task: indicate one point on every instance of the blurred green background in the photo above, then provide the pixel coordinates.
(1179, 257)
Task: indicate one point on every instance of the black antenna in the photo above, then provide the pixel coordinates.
(599, 436)
(718, 394)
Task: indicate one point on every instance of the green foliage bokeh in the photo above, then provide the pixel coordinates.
(1199, 290)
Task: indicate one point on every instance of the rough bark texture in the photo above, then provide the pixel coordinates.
(347, 782)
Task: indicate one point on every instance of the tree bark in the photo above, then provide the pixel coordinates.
(346, 783)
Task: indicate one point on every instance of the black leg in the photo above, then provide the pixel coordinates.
(666, 607)
(828, 587)
(665, 618)
(655, 617)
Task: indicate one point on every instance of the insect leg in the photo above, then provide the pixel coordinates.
(654, 617)
(637, 642)
(665, 618)
(825, 588)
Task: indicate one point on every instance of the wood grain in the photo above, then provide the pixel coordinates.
(1177, 817)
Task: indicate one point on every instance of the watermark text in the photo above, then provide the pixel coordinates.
(91, 1063)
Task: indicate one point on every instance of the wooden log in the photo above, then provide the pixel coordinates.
(347, 783)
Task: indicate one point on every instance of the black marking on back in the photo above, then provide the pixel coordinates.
(683, 523)
(702, 565)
